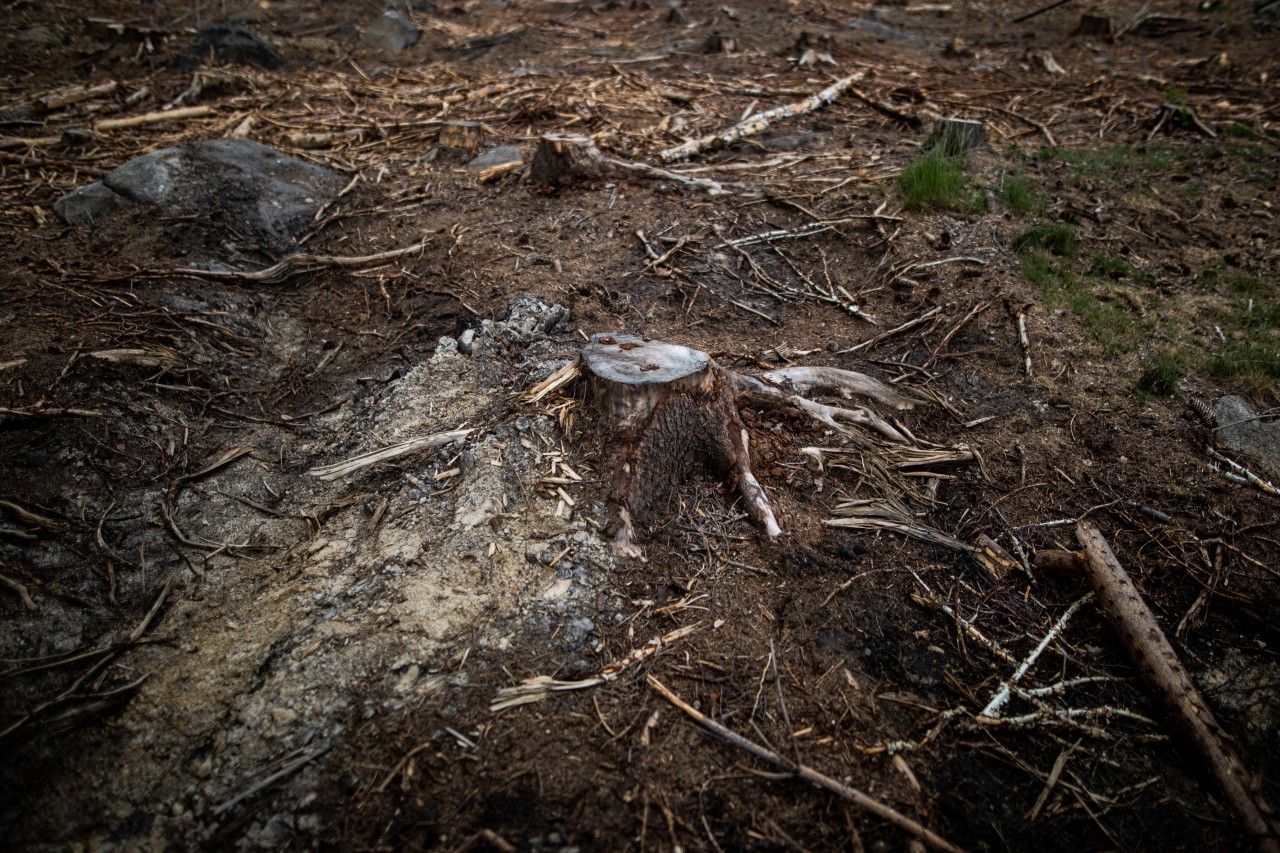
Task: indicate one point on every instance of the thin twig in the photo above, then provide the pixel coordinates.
(808, 774)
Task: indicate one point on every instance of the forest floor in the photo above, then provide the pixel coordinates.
(223, 650)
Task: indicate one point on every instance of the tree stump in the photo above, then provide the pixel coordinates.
(717, 43)
(460, 134)
(671, 410)
(955, 137)
(563, 156)
(808, 40)
(1092, 24)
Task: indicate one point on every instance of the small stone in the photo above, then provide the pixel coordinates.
(283, 716)
(391, 32)
(466, 341)
(499, 156)
(228, 43)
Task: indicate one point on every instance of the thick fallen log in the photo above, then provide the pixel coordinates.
(1163, 673)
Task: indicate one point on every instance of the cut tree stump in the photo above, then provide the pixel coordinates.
(563, 156)
(717, 43)
(1093, 24)
(670, 410)
(460, 134)
(956, 136)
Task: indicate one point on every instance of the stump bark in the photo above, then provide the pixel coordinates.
(955, 136)
(563, 156)
(460, 134)
(670, 410)
(1093, 24)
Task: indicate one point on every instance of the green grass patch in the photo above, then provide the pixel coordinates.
(1246, 333)
(1057, 238)
(935, 180)
(1243, 131)
(1019, 195)
(1127, 159)
(1160, 376)
(1107, 265)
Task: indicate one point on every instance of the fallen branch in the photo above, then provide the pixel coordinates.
(302, 263)
(1159, 667)
(808, 774)
(364, 460)
(536, 689)
(760, 121)
(152, 118)
(994, 707)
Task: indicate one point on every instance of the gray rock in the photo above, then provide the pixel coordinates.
(528, 318)
(391, 32)
(1239, 430)
(466, 341)
(1268, 11)
(499, 156)
(266, 196)
(235, 45)
(88, 204)
(871, 25)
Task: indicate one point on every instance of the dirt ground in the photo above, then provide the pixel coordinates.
(225, 651)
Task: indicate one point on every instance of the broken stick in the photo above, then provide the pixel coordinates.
(808, 774)
(760, 121)
(1159, 667)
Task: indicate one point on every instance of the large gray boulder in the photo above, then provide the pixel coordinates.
(262, 194)
(1243, 430)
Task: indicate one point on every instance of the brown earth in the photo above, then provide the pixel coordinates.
(321, 663)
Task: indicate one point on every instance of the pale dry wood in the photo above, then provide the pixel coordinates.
(847, 383)
(152, 118)
(760, 121)
(560, 378)
(50, 101)
(808, 774)
(1162, 671)
(301, 263)
(394, 451)
(541, 687)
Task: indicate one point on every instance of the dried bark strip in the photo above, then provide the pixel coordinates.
(1159, 667)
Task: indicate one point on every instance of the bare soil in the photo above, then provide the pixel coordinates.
(227, 652)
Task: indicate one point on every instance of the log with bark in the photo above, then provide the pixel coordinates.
(669, 410)
(1159, 667)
